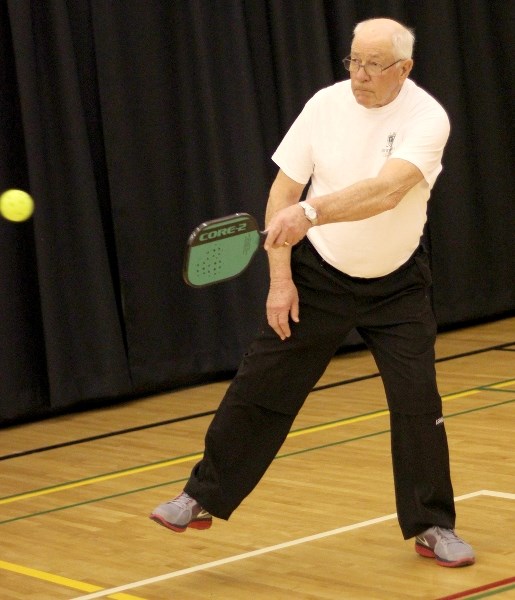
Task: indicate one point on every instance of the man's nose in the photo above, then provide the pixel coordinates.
(361, 74)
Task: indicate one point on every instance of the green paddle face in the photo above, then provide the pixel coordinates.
(221, 249)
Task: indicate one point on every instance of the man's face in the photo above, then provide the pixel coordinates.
(373, 91)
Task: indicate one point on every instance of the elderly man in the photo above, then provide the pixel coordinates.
(349, 256)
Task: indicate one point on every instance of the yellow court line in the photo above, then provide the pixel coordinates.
(198, 456)
(461, 394)
(374, 415)
(90, 588)
(100, 478)
(349, 421)
(62, 581)
(174, 461)
(503, 384)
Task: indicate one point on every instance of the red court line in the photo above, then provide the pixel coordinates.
(482, 588)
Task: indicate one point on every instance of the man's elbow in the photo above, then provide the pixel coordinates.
(393, 198)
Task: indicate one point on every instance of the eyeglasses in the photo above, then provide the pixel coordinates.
(371, 68)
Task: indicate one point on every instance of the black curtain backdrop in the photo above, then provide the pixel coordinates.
(131, 121)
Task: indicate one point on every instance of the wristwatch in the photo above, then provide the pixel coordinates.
(310, 212)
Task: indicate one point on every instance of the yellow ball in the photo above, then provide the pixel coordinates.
(16, 205)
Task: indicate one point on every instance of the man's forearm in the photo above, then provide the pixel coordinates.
(368, 197)
(359, 201)
(283, 193)
(286, 223)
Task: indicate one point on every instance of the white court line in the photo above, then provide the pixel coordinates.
(505, 495)
(266, 550)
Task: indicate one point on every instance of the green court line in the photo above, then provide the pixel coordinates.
(196, 456)
(478, 408)
(164, 463)
(92, 501)
(279, 456)
(98, 478)
(502, 390)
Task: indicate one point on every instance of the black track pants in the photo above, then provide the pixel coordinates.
(393, 314)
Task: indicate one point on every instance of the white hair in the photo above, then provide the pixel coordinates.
(403, 38)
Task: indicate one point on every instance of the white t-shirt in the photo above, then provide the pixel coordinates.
(336, 142)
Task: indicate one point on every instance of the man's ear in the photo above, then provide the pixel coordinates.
(406, 68)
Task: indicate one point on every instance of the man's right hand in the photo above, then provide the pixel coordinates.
(281, 305)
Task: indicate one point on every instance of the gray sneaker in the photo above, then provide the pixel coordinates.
(445, 546)
(180, 513)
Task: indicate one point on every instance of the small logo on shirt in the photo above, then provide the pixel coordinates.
(389, 144)
(439, 421)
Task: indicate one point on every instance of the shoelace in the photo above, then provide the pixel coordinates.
(448, 537)
(183, 500)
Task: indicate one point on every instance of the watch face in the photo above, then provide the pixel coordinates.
(310, 212)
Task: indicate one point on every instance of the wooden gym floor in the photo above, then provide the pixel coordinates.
(76, 491)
